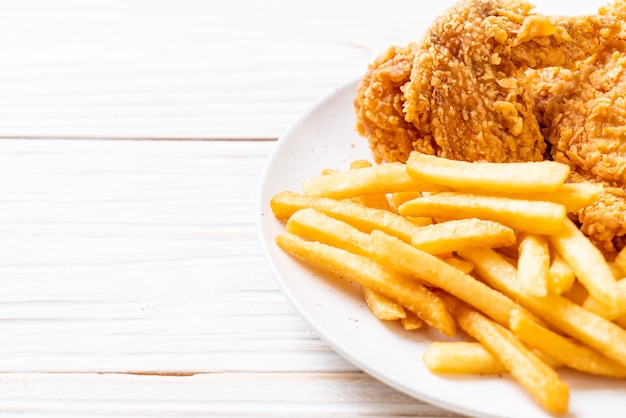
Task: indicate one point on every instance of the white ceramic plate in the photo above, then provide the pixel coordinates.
(325, 138)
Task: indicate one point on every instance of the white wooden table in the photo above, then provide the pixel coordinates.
(133, 135)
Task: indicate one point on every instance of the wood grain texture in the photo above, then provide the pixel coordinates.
(185, 69)
(134, 284)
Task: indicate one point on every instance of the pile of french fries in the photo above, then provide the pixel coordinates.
(484, 248)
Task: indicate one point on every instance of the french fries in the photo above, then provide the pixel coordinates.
(484, 247)
(563, 314)
(588, 263)
(561, 277)
(533, 265)
(387, 178)
(367, 273)
(530, 371)
(461, 358)
(565, 350)
(523, 215)
(543, 176)
(366, 219)
(381, 306)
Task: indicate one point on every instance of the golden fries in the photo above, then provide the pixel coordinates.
(533, 264)
(572, 319)
(463, 233)
(387, 178)
(561, 277)
(461, 358)
(366, 219)
(381, 306)
(405, 291)
(540, 176)
(411, 321)
(588, 263)
(567, 351)
(405, 258)
(539, 379)
(523, 215)
(574, 196)
(486, 247)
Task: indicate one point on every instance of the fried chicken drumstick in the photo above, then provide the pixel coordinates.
(493, 81)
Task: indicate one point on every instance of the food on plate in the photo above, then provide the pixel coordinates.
(461, 357)
(583, 118)
(461, 92)
(407, 292)
(491, 80)
(533, 263)
(564, 350)
(524, 215)
(531, 302)
(495, 209)
(541, 176)
(535, 375)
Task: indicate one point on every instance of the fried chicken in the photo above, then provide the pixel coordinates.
(379, 102)
(465, 95)
(583, 116)
(492, 81)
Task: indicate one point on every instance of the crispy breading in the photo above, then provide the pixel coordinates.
(379, 102)
(583, 116)
(461, 92)
(493, 81)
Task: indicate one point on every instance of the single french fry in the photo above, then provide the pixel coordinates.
(563, 314)
(561, 277)
(526, 177)
(574, 196)
(588, 263)
(385, 178)
(461, 358)
(523, 215)
(460, 234)
(285, 204)
(381, 306)
(538, 378)
(365, 272)
(398, 255)
(534, 263)
(565, 350)
(411, 321)
(316, 226)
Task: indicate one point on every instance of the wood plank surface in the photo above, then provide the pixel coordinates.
(134, 284)
(187, 68)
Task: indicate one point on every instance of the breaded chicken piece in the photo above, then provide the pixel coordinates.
(604, 221)
(468, 87)
(378, 105)
(583, 116)
(461, 92)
